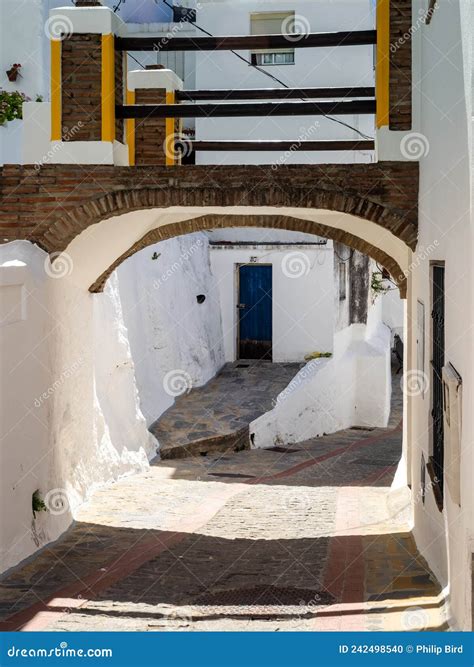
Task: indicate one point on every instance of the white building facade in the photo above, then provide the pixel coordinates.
(351, 66)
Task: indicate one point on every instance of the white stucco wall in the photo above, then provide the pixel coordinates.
(302, 295)
(443, 104)
(26, 455)
(348, 66)
(71, 420)
(393, 311)
(353, 388)
(169, 331)
(80, 371)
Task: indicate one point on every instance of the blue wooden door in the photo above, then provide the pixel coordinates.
(255, 311)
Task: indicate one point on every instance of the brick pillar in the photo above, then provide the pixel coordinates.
(87, 75)
(152, 138)
(401, 26)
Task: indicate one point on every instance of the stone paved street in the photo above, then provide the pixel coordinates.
(216, 417)
(309, 539)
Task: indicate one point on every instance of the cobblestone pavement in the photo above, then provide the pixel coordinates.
(313, 538)
(209, 417)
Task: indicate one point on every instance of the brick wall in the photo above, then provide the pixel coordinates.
(150, 133)
(54, 203)
(81, 73)
(400, 65)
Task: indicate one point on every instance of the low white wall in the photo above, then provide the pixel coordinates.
(393, 312)
(169, 331)
(353, 388)
(303, 302)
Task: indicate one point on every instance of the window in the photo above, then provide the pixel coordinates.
(273, 58)
(342, 281)
(272, 23)
(436, 464)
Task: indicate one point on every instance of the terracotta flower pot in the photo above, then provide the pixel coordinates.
(14, 72)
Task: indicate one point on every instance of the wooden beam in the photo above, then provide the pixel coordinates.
(245, 110)
(278, 145)
(273, 93)
(246, 42)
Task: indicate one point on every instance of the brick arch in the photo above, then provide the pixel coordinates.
(213, 221)
(384, 193)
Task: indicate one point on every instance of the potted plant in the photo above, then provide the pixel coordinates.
(14, 72)
(11, 105)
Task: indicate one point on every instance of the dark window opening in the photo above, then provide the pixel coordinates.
(184, 14)
(436, 464)
(342, 281)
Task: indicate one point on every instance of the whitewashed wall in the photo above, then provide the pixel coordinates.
(26, 456)
(71, 415)
(443, 104)
(168, 330)
(353, 388)
(346, 66)
(302, 296)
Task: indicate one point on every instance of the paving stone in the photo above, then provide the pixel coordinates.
(314, 539)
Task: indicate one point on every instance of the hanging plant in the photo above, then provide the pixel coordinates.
(14, 72)
(11, 105)
(378, 286)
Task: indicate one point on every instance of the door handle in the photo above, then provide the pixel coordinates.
(241, 305)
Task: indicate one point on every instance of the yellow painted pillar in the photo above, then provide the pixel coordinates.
(56, 130)
(108, 88)
(382, 84)
(130, 130)
(170, 132)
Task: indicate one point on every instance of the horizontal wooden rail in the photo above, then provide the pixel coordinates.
(246, 42)
(245, 110)
(277, 145)
(274, 93)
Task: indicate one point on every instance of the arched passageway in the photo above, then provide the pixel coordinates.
(101, 247)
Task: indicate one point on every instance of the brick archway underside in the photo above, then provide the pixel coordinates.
(52, 204)
(207, 222)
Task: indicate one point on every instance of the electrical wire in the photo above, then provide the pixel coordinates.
(118, 5)
(341, 259)
(271, 76)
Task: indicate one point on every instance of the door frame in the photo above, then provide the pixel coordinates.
(236, 303)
